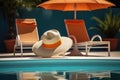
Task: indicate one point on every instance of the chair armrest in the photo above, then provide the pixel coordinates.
(96, 36)
(73, 38)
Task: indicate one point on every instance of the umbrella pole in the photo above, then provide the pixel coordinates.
(75, 14)
(75, 11)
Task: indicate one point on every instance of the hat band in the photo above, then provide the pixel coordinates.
(52, 45)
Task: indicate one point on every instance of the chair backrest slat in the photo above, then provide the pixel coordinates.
(78, 29)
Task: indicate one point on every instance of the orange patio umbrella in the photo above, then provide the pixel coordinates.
(75, 5)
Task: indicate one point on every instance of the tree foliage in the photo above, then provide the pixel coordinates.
(9, 8)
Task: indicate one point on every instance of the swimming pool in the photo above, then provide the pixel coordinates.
(59, 64)
(94, 66)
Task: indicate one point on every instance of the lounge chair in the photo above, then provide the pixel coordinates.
(27, 34)
(76, 29)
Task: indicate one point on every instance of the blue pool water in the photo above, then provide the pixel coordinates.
(59, 65)
(67, 66)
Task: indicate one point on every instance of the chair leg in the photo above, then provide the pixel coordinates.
(86, 52)
(21, 50)
(109, 49)
(86, 49)
(14, 50)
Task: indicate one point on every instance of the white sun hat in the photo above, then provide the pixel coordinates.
(52, 44)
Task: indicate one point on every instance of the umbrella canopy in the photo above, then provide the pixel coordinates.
(75, 5)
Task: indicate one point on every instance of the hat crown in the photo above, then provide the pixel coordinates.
(51, 37)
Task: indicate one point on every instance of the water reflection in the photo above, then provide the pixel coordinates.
(104, 75)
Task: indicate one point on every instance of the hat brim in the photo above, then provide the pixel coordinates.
(61, 49)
